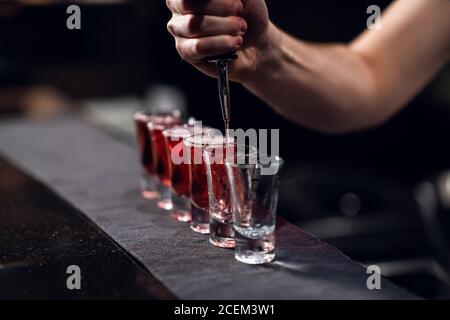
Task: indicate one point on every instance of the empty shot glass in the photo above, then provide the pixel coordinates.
(254, 197)
(221, 232)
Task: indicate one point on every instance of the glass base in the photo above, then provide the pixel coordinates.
(165, 204)
(181, 216)
(148, 187)
(254, 251)
(200, 220)
(164, 200)
(255, 257)
(221, 234)
(151, 195)
(181, 208)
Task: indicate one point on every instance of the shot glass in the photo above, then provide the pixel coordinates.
(180, 167)
(199, 185)
(220, 214)
(180, 171)
(144, 143)
(254, 197)
(161, 164)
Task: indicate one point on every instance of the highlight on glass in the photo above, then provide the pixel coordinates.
(144, 144)
(199, 185)
(220, 214)
(161, 164)
(180, 171)
(254, 198)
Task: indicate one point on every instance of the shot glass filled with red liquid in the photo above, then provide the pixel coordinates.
(180, 167)
(180, 171)
(199, 184)
(219, 190)
(144, 144)
(161, 164)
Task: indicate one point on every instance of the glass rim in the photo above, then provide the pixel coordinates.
(142, 114)
(257, 165)
(189, 143)
(163, 125)
(187, 126)
(169, 131)
(232, 143)
(177, 113)
(225, 141)
(251, 154)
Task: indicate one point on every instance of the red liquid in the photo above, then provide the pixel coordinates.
(220, 183)
(144, 142)
(144, 138)
(161, 156)
(181, 175)
(199, 185)
(162, 165)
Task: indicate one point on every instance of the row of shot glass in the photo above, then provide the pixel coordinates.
(211, 181)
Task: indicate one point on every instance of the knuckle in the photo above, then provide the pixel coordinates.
(181, 50)
(192, 23)
(236, 24)
(170, 26)
(229, 43)
(189, 23)
(169, 4)
(180, 6)
(236, 6)
(184, 5)
(197, 47)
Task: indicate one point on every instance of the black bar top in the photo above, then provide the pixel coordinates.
(99, 176)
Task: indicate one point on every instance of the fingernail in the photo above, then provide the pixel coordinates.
(243, 26)
(239, 7)
(239, 42)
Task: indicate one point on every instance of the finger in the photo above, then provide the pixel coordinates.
(197, 26)
(221, 8)
(194, 50)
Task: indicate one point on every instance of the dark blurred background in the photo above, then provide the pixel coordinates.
(371, 194)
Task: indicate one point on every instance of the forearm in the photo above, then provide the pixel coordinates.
(334, 87)
(324, 87)
(340, 88)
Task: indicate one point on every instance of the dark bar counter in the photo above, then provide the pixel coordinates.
(88, 181)
(41, 235)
